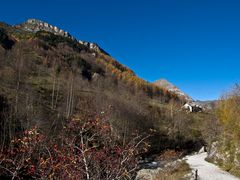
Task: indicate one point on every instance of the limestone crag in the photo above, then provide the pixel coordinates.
(172, 88)
(35, 25)
(92, 46)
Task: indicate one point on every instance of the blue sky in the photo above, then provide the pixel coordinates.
(195, 44)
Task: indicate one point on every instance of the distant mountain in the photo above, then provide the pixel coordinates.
(209, 105)
(163, 83)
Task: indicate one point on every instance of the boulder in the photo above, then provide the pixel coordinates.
(202, 150)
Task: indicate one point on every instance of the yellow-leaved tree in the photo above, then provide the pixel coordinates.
(228, 112)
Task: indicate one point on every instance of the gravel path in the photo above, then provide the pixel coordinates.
(206, 170)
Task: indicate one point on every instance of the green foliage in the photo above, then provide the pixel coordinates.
(54, 40)
(16, 32)
(40, 82)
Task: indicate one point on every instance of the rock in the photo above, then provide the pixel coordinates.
(202, 150)
(237, 157)
(147, 174)
(213, 150)
(34, 25)
(229, 158)
(172, 88)
(144, 175)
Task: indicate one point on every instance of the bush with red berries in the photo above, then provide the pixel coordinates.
(84, 149)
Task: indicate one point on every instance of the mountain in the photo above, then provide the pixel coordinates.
(35, 25)
(172, 88)
(48, 76)
(208, 105)
(50, 81)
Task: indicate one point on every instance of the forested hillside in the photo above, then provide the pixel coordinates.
(64, 103)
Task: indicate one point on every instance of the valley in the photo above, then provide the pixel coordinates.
(69, 110)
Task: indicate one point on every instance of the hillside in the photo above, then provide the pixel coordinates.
(58, 72)
(54, 84)
(48, 76)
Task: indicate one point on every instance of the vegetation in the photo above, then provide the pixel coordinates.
(82, 150)
(54, 40)
(173, 170)
(228, 112)
(50, 87)
(122, 73)
(180, 170)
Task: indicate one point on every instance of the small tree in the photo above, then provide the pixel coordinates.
(228, 112)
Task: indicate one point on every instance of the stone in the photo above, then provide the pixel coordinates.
(202, 150)
(35, 25)
(46, 25)
(213, 149)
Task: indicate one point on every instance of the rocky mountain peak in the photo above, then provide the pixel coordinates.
(35, 25)
(163, 83)
(166, 84)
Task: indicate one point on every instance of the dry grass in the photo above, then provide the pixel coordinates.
(178, 171)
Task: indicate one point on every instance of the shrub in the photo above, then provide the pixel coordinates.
(83, 150)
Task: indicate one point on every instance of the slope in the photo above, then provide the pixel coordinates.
(47, 76)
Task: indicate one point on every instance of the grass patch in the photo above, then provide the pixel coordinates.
(179, 171)
(235, 171)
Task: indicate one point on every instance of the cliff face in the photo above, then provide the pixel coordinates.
(34, 25)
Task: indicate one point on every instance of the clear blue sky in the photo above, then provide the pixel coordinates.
(195, 44)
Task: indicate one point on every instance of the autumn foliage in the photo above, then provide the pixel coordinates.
(122, 73)
(228, 112)
(82, 150)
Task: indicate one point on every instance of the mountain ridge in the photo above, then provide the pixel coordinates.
(34, 29)
(172, 88)
(48, 80)
(36, 25)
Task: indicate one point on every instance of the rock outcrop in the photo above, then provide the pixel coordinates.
(35, 25)
(172, 88)
(225, 156)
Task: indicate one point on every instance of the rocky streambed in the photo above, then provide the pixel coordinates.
(152, 167)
